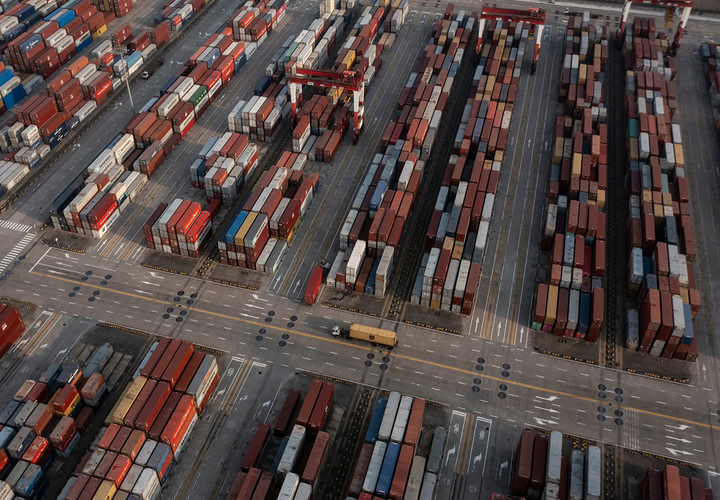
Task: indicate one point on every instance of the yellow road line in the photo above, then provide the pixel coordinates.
(394, 354)
(463, 452)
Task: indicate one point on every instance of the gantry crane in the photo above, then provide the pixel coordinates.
(670, 5)
(351, 81)
(534, 17)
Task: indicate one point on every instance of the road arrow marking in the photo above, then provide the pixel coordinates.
(255, 307)
(477, 323)
(149, 283)
(249, 316)
(682, 440)
(296, 286)
(255, 296)
(56, 272)
(675, 453)
(451, 451)
(476, 459)
(543, 421)
(550, 398)
(547, 409)
(143, 291)
(681, 427)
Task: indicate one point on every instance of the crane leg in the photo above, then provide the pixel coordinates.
(481, 31)
(538, 42)
(358, 110)
(679, 33)
(295, 96)
(623, 22)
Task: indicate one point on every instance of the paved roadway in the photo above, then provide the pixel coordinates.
(659, 417)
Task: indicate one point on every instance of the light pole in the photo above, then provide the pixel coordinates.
(121, 50)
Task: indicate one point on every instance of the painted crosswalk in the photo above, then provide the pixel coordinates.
(15, 226)
(17, 249)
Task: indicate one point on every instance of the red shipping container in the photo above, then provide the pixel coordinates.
(165, 359)
(189, 371)
(178, 363)
(119, 470)
(179, 422)
(252, 455)
(164, 415)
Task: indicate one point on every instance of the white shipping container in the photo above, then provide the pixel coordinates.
(292, 450)
(373, 470)
(147, 484)
(289, 487)
(391, 409)
(401, 419)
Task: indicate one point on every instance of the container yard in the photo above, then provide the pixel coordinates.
(661, 231)
(390, 465)
(571, 303)
(374, 225)
(358, 249)
(48, 425)
(52, 43)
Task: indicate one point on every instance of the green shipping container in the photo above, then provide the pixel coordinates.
(633, 127)
(198, 96)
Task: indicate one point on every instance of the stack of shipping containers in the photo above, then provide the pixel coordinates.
(374, 225)
(571, 303)
(661, 244)
(181, 227)
(149, 138)
(458, 231)
(149, 426)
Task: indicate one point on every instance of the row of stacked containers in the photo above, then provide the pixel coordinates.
(661, 243)
(570, 301)
(48, 45)
(541, 470)
(149, 427)
(457, 234)
(375, 222)
(386, 466)
(259, 235)
(145, 433)
(118, 173)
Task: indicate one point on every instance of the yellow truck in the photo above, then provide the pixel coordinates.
(387, 338)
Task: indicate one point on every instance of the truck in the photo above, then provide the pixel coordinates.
(387, 338)
(147, 73)
(313, 286)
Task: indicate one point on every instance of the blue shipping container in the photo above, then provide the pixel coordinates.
(133, 58)
(53, 15)
(84, 43)
(388, 469)
(15, 96)
(370, 285)
(213, 56)
(30, 481)
(378, 196)
(262, 86)
(25, 13)
(278, 455)
(33, 18)
(375, 421)
(54, 139)
(240, 62)
(5, 76)
(584, 321)
(159, 457)
(30, 43)
(168, 84)
(235, 227)
(64, 18)
(689, 334)
(15, 32)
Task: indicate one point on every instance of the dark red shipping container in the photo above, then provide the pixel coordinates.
(537, 476)
(402, 469)
(288, 409)
(315, 460)
(178, 363)
(164, 361)
(153, 406)
(139, 403)
(252, 455)
(323, 406)
(164, 415)
(162, 345)
(189, 371)
(414, 425)
(307, 407)
(523, 463)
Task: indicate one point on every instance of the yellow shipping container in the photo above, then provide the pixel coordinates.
(378, 335)
(240, 235)
(658, 211)
(582, 76)
(99, 32)
(457, 250)
(551, 311)
(448, 243)
(128, 399)
(558, 153)
(667, 199)
(434, 304)
(679, 156)
(106, 491)
(647, 196)
(576, 171)
(498, 156)
(73, 405)
(685, 295)
(108, 419)
(601, 198)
